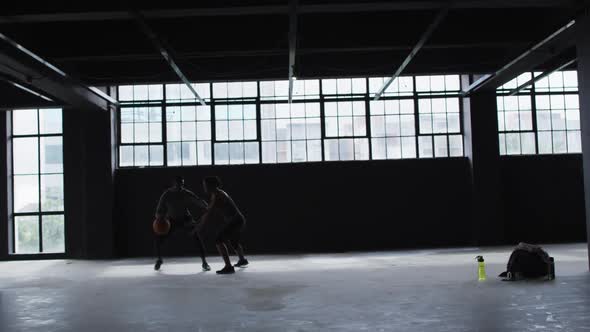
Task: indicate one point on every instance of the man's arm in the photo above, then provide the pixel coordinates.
(207, 216)
(161, 208)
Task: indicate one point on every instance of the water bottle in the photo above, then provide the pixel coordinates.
(481, 268)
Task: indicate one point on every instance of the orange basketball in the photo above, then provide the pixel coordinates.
(161, 226)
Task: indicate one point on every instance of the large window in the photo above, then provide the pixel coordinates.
(543, 118)
(333, 119)
(236, 138)
(188, 135)
(37, 179)
(291, 132)
(141, 136)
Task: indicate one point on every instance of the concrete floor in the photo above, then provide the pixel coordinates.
(424, 290)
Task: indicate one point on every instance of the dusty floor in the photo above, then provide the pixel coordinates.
(422, 290)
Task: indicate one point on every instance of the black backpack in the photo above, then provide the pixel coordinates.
(528, 262)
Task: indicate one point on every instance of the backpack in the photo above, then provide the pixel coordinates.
(528, 261)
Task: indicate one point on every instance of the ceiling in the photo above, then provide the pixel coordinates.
(100, 43)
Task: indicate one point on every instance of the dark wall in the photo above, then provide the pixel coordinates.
(89, 191)
(314, 207)
(543, 198)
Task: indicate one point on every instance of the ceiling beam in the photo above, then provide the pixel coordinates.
(437, 20)
(282, 10)
(282, 52)
(166, 53)
(541, 76)
(292, 44)
(27, 70)
(539, 53)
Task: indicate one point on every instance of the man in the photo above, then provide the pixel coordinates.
(174, 205)
(221, 205)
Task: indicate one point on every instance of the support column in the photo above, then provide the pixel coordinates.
(482, 149)
(583, 49)
(4, 185)
(89, 187)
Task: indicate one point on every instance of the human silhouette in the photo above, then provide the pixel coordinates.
(175, 205)
(222, 207)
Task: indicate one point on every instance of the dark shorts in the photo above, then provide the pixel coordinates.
(232, 231)
(187, 223)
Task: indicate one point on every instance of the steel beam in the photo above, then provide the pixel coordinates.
(283, 10)
(166, 53)
(554, 43)
(21, 66)
(541, 76)
(292, 44)
(437, 20)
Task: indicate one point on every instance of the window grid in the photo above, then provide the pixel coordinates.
(188, 135)
(37, 226)
(345, 118)
(553, 109)
(291, 132)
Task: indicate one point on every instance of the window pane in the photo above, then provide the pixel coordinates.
(456, 146)
(173, 154)
(513, 143)
(378, 148)
(346, 149)
(236, 130)
(284, 152)
(559, 142)
(127, 133)
(25, 155)
(24, 122)
(51, 155)
(361, 149)
(126, 156)
(141, 134)
(155, 132)
(394, 148)
(189, 153)
(528, 143)
(269, 152)
(52, 192)
(236, 153)
(156, 155)
(331, 146)
(204, 154)
(50, 121)
(26, 193)
(574, 144)
(53, 234)
(221, 154)
(425, 146)
(545, 142)
(141, 155)
(314, 150)
(26, 234)
(251, 153)
(173, 131)
(408, 147)
(250, 129)
(189, 131)
(440, 146)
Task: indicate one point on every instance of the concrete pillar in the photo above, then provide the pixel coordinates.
(4, 185)
(482, 149)
(89, 183)
(583, 49)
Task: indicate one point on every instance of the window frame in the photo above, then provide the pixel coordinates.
(39, 213)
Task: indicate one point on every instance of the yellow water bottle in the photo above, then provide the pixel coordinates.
(481, 268)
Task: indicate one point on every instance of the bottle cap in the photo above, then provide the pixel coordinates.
(479, 258)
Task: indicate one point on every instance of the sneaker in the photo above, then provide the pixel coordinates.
(226, 270)
(241, 263)
(158, 264)
(206, 267)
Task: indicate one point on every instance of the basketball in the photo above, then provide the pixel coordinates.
(161, 226)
